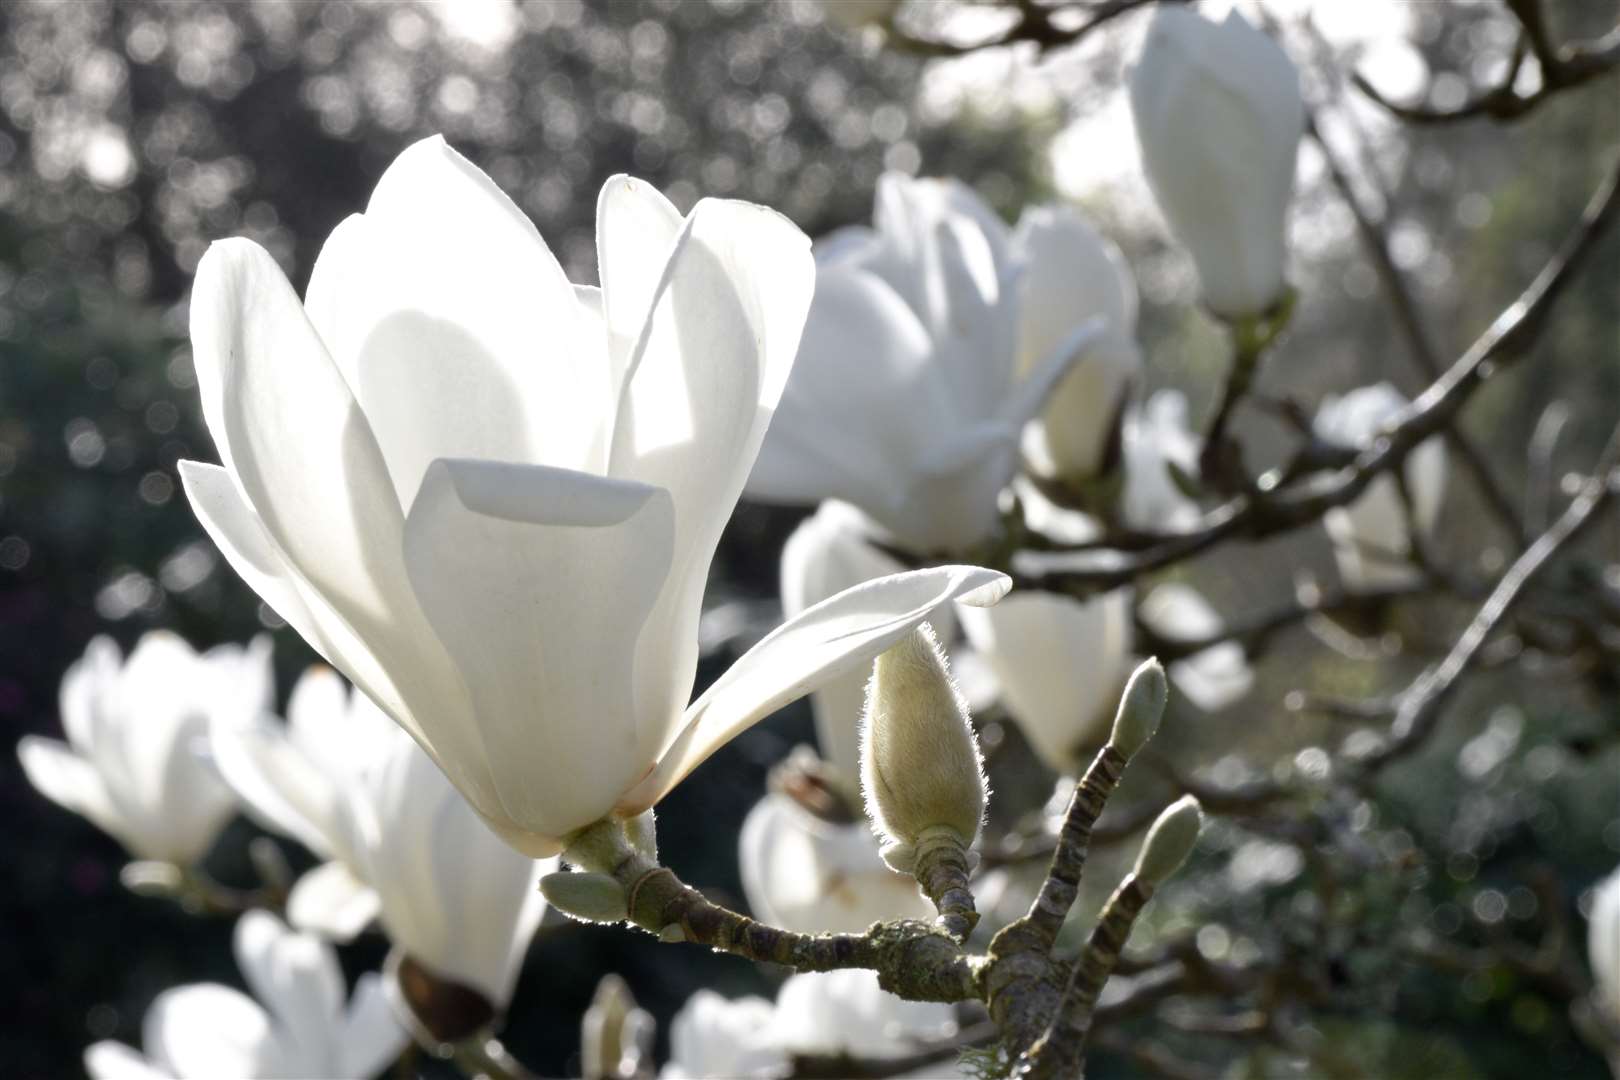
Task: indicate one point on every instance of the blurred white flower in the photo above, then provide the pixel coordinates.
(402, 845)
(1156, 436)
(1219, 116)
(1211, 678)
(302, 1028)
(814, 877)
(1060, 663)
(854, 14)
(1069, 272)
(1603, 945)
(825, 1014)
(1371, 537)
(907, 399)
(491, 498)
(134, 762)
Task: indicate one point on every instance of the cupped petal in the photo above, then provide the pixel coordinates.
(295, 976)
(708, 370)
(833, 638)
(70, 782)
(1033, 391)
(539, 582)
(636, 232)
(110, 1060)
(329, 900)
(208, 1030)
(1070, 273)
(371, 1037)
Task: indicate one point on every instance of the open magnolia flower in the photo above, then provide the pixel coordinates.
(1372, 539)
(303, 1027)
(134, 763)
(491, 498)
(907, 399)
(402, 845)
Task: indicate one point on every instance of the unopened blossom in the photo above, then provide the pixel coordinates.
(1068, 272)
(1157, 439)
(1372, 536)
(1219, 116)
(1210, 678)
(908, 399)
(135, 761)
(824, 1014)
(299, 1026)
(490, 497)
(812, 876)
(1603, 945)
(400, 844)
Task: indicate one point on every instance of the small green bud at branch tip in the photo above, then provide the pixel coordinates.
(1170, 840)
(1140, 708)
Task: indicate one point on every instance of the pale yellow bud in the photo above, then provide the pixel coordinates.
(920, 766)
(1140, 708)
(1170, 840)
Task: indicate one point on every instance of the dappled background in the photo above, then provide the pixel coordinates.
(133, 133)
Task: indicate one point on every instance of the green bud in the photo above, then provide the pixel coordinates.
(1140, 708)
(1170, 840)
(586, 896)
(920, 765)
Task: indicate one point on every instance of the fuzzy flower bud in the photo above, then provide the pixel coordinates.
(1140, 708)
(920, 766)
(586, 896)
(1170, 841)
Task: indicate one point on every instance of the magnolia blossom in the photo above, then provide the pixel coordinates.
(490, 498)
(132, 762)
(1156, 437)
(908, 399)
(1070, 271)
(812, 876)
(824, 1014)
(1060, 664)
(1371, 537)
(1218, 118)
(1211, 678)
(303, 1027)
(1603, 945)
(400, 843)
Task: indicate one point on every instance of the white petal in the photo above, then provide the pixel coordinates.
(1030, 396)
(329, 900)
(1070, 273)
(109, 1060)
(1212, 678)
(830, 639)
(278, 784)
(83, 686)
(1080, 413)
(539, 581)
(371, 1037)
(636, 231)
(69, 781)
(208, 1030)
(295, 975)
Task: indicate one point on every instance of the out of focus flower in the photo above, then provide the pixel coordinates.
(1372, 536)
(1211, 678)
(813, 876)
(491, 498)
(854, 14)
(1603, 945)
(401, 843)
(134, 761)
(302, 1028)
(907, 399)
(1069, 272)
(825, 1014)
(1218, 118)
(1157, 437)
(1060, 663)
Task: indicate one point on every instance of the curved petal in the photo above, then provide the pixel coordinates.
(86, 681)
(109, 1060)
(707, 372)
(539, 581)
(371, 1036)
(1071, 272)
(832, 638)
(329, 900)
(636, 232)
(278, 784)
(209, 1030)
(1029, 397)
(71, 783)
(295, 975)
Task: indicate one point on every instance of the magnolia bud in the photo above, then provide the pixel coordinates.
(1140, 707)
(586, 896)
(615, 1034)
(1170, 840)
(920, 767)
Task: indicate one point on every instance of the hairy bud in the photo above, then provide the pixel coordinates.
(586, 896)
(1170, 840)
(1140, 708)
(920, 766)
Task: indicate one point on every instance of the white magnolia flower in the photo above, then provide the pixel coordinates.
(1218, 118)
(302, 1028)
(824, 1014)
(1060, 663)
(1211, 678)
(401, 843)
(490, 498)
(136, 730)
(1371, 537)
(1603, 945)
(1069, 272)
(1156, 436)
(812, 876)
(907, 399)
